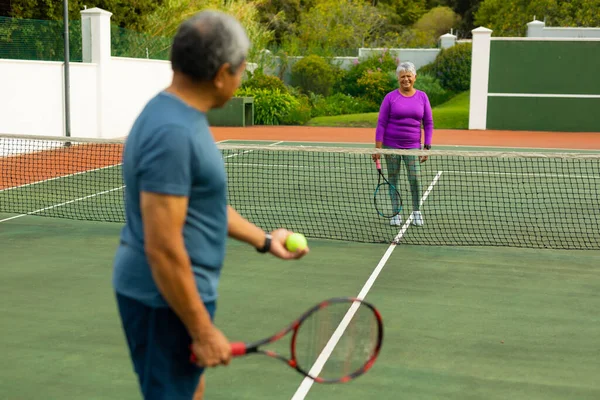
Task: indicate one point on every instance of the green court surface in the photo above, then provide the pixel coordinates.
(460, 322)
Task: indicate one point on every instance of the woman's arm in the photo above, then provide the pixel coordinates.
(382, 122)
(427, 125)
(427, 121)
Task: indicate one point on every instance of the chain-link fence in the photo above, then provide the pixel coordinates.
(27, 39)
(127, 43)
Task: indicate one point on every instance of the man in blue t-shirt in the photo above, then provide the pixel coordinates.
(168, 264)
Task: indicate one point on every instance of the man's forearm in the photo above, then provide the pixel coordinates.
(241, 229)
(173, 275)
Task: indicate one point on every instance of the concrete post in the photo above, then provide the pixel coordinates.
(96, 48)
(480, 70)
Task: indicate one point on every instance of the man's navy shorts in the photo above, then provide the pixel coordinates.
(159, 346)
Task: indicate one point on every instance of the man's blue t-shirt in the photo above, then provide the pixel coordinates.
(170, 150)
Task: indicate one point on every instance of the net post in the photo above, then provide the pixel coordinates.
(66, 71)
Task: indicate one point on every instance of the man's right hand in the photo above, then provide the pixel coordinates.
(212, 349)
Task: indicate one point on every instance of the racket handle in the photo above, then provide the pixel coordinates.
(238, 349)
(378, 163)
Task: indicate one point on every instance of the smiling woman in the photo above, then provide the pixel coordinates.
(401, 115)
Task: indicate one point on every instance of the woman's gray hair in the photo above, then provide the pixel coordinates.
(406, 67)
(207, 41)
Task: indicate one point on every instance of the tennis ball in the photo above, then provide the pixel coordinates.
(295, 241)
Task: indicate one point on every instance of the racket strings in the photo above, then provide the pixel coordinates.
(353, 350)
(387, 200)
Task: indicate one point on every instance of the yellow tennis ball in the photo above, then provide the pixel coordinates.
(295, 241)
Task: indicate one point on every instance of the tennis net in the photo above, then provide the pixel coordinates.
(537, 200)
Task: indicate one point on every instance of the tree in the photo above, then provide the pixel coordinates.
(509, 17)
(165, 20)
(280, 16)
(466, 9)
(338, 24)
(401, 13)
(437, 21)
(126, 13)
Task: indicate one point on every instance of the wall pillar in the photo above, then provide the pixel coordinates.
(480, 72)
(535, 28)
(447, 40)
(96, 48)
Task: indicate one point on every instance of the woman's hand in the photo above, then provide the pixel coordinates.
(376, 156)
(422, 159)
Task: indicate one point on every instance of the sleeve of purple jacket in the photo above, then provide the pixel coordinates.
(382, 120)
(428, 121)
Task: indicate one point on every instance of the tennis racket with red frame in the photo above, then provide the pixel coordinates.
(335, 341)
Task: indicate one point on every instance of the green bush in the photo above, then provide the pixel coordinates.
(348, 82)
(374, 85)
(259, 80)
(434, 90)
(340, 104)
(271, 107)
(299, 114)
(452, 67)
(313, 74)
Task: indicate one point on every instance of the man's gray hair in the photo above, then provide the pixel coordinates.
(406, 66)
(207, 41)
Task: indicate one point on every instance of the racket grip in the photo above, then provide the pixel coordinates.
(238, 349)
(378, 163)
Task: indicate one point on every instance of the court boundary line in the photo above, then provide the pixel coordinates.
(58, 177)
(74, 174)
(316, 368)
(62, 204)
(84, 197)
(250, 151)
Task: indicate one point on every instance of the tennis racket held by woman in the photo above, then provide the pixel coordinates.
(387, 199)
(334, 341)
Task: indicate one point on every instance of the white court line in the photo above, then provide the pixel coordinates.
(58, 177)
(242, 141)
(77, 173)
(328, 349)
(563, 96)
(62, 204)
(522, 174)
(250, 151)
(359, 167)
(81, 198)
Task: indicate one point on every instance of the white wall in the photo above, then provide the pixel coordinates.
(572, 32)
(106, 93)
(84, 95)
(130, 83)
(419, 57)
(32, 98)
(539, 29)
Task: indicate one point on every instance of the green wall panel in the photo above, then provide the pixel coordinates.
(547, 67)
(238, 111)
(544, 114)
